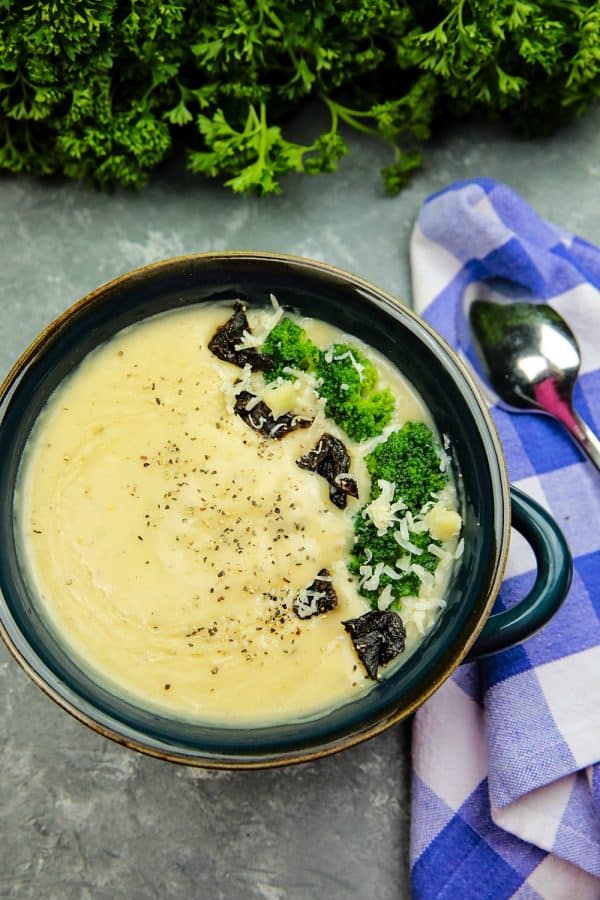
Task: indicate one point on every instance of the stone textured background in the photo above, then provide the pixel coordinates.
(83, 818)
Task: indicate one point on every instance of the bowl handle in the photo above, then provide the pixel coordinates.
(554, 571)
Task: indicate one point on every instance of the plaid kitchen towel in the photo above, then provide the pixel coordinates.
(506, 778)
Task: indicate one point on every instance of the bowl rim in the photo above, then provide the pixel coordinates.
(140, 742)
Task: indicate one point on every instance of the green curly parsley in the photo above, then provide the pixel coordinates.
(104, 90)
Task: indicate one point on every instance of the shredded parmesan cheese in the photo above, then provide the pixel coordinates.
(425, 576)
(248, 340)
(252, 402)
(307, 602)
(382, 511)
(437, 551)
(385, 598)
(343, 477)
(418, 618)
(406, 545)
(262, 324)
(371, 580)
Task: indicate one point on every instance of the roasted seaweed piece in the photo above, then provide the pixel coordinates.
(259, 416)
(378, 636)
(228, 337)
(329, 458)
(318, 598)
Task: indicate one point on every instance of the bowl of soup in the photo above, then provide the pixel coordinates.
(254, 511)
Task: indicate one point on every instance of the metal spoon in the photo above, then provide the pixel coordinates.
(531, 358)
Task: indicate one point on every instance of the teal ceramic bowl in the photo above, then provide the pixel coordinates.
(465, 629)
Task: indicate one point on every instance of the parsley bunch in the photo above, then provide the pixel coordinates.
(105, 90)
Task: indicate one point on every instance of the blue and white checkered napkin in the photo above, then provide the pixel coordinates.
(506, 796)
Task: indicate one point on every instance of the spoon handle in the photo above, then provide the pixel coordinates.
(547, 396)
(586, 439)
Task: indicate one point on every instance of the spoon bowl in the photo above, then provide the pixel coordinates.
(531, 359)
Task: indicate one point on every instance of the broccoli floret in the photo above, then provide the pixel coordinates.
(410, 460)
(422, 540)
(368, 545)
(368, 416)
(345, 370)
(288, 346)
(383, 547)
(407, 586)
(346, 379)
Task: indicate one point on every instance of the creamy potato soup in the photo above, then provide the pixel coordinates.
(188, 536)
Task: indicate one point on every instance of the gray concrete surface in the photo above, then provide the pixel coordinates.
(83, 818)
